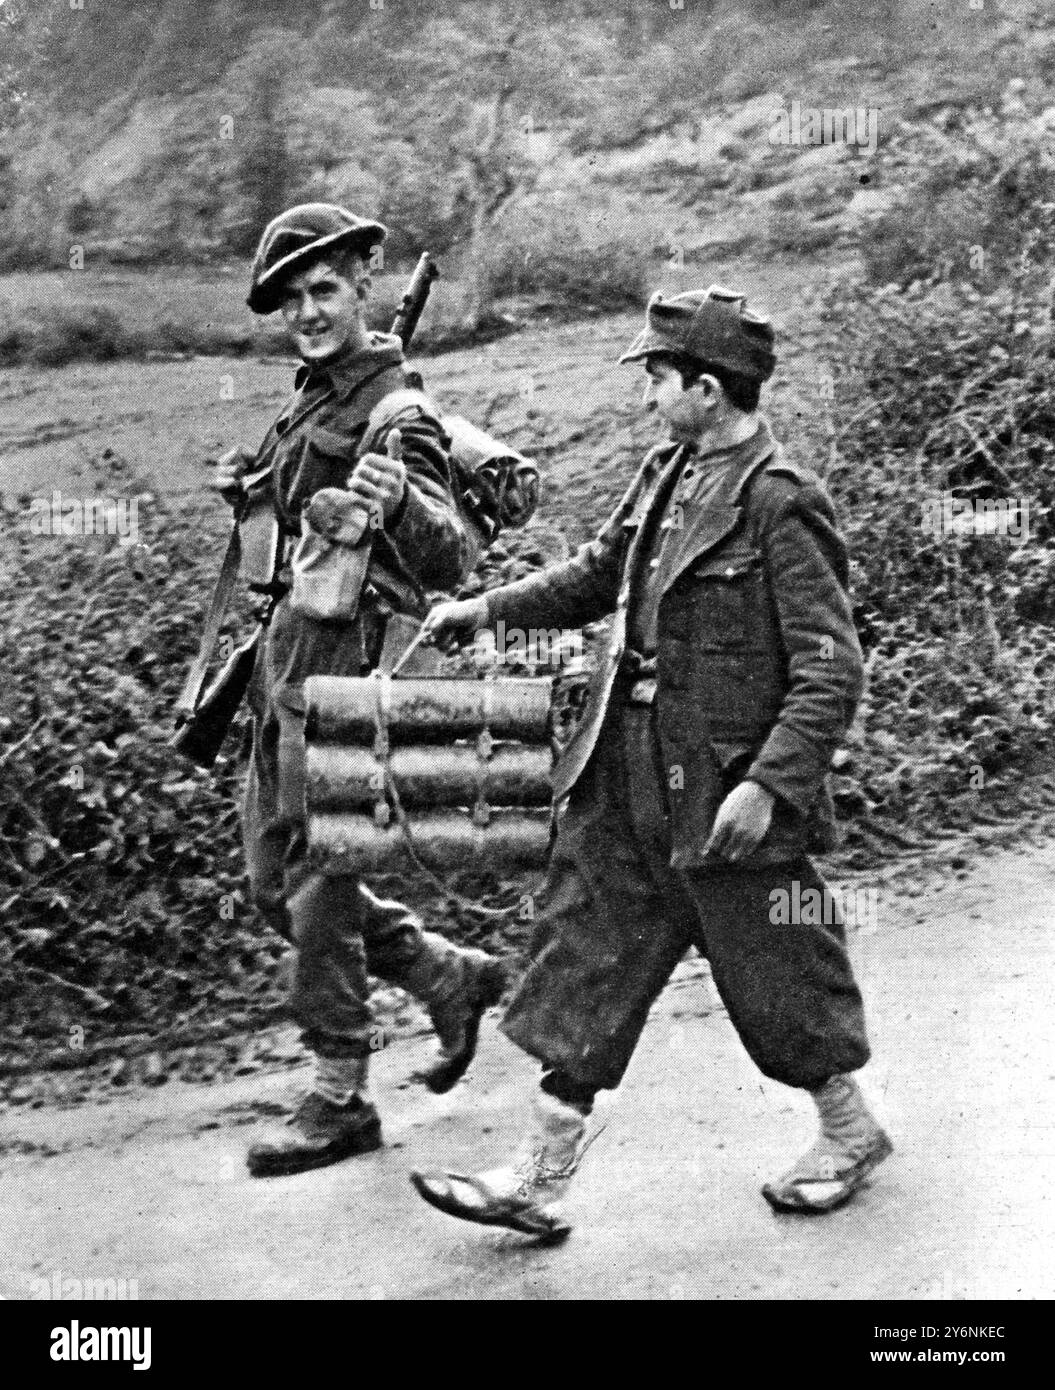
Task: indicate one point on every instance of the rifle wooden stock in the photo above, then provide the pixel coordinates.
(201, 735)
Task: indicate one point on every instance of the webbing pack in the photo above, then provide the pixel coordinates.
(495, 486)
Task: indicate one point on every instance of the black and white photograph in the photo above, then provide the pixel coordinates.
(527, 603)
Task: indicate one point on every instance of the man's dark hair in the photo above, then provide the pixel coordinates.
(742, 391)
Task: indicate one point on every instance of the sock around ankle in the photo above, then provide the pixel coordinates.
(845, 1118)
(341, 1080)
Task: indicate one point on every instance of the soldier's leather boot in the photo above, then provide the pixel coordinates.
(851, 1145)
(318, 1133)
(456, 1016)
(526, 1195)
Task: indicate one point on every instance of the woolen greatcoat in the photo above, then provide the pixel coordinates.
(738, 589)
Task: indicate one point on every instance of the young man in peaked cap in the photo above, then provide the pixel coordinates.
(696, 784)
(312, 265)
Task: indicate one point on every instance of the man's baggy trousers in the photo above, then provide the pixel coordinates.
(615, 919)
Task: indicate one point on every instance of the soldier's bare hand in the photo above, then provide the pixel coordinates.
(230, 470)
(379, 481)
(450, 625)
(741, 823)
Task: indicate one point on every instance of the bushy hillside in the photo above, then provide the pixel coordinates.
(512, 139)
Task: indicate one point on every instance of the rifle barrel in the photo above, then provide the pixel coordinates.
(412, 305)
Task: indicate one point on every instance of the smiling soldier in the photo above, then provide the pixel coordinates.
(313, 266)
(697, 780)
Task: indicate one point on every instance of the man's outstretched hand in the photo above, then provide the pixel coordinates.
(742, 821)
(451, 625)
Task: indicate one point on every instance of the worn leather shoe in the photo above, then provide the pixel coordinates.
(319, 1133)
(457, 1024)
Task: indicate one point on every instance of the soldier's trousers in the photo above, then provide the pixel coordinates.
(341, 930)
(616, 919)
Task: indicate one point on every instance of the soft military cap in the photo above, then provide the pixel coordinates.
(298, 235)
(711, 326)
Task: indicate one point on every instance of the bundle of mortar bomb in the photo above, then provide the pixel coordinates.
(454, 771)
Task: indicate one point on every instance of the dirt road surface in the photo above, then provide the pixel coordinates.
(151, 1187)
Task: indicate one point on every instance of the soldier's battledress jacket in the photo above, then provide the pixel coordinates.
(313, 444)
(758, 664)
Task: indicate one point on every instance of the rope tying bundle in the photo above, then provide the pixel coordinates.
(389, 801)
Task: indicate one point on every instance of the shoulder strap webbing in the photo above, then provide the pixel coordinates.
(389, 409)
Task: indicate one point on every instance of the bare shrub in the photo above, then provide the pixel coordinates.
(582, 254)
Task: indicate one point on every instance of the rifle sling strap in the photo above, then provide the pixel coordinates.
(217, 610)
